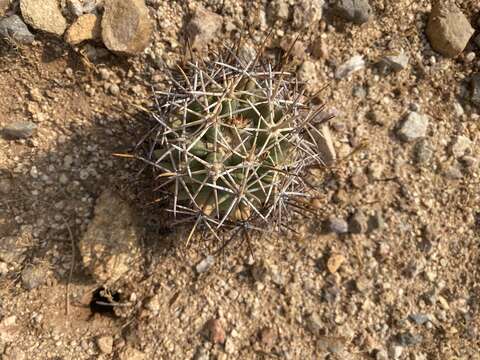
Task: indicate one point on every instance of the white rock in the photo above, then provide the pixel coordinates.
(356, 63)
(414, 127)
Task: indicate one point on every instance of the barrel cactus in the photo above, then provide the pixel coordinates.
(231, 144)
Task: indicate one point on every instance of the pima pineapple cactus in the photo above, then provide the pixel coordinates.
(232, 142)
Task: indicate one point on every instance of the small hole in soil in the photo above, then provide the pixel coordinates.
(103, 301)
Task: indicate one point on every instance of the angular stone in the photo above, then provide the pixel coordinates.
(126, 26)
(13, 27)
(356, 11)
(203, 28)
(110, 245)
(414, 127)
(334, 262)
(86, 27)
(105, 344)
(19, 130)
(448, 30)
(44, 15)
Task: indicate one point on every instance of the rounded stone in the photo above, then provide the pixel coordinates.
(448, 29)
(126, 26)
(44, 15)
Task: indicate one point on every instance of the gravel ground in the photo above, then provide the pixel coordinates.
(387, 268)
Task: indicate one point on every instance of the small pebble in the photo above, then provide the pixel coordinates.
(105, 344)
(338, 225)
(19, 130)
(205, 264)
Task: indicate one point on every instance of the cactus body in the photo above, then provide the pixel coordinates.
(232, 143)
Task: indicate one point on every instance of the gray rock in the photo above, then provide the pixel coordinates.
(420, 319)
(126, 26)
(358, 223)
(338, 225)
(13, 27)
(33, 277)
(413, 127)
(19, 130)
(475, 89)
(352, 65)
(408, 339)
(448, 30)
(453, 171)
(356, 11)
(75, 7)
(423, 152)
(44, 15)
(203, 28)
(307, 13)
(395, 62)
(205, 264)
(110, 245)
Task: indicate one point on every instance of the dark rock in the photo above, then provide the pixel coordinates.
(475, 89)
(19, 130)
(126, 26)
(356, 11)
(13, 27)
(376, 222)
